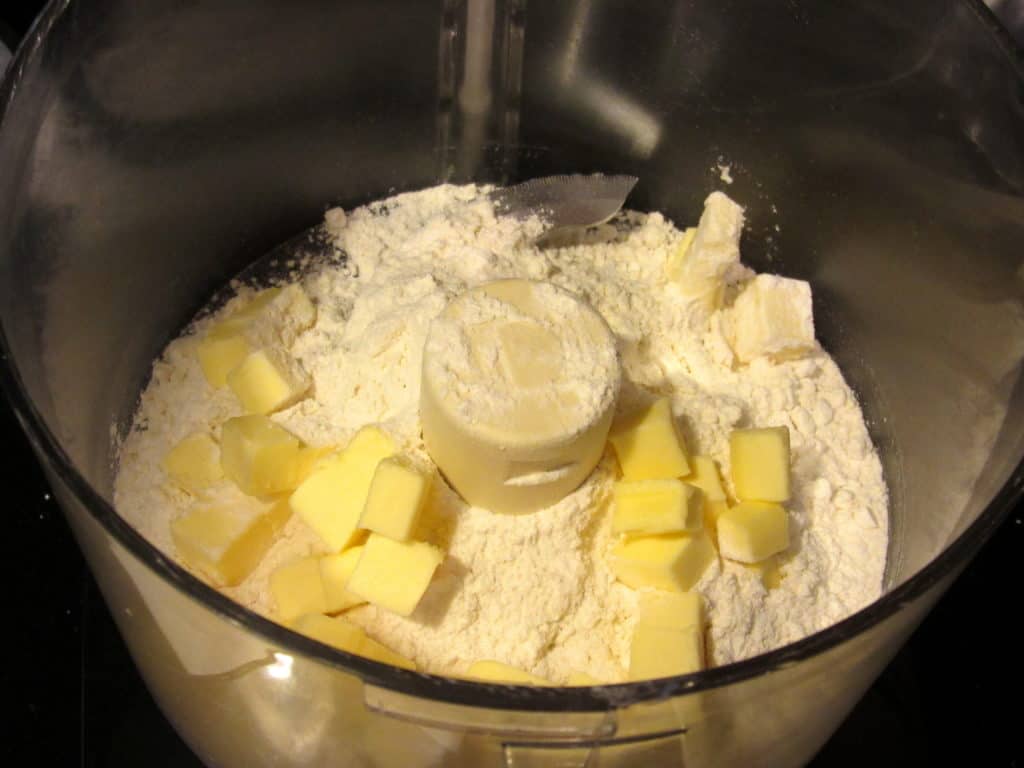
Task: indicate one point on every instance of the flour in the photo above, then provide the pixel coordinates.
(536, 591)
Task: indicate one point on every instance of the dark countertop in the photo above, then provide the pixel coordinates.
(74, 698)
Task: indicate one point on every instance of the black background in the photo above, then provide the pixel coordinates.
(72, 697)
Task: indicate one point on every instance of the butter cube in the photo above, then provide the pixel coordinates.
(268, 380)
(705, 476)
(259, 456)
(332, 498)
(311, 458)
(656, 506)
(772, 317)
(768, 571)
(671, 610)
(497, 672)
(335, 571)
(753, 531)
(219, 353)
(377, 651)
(194, 463)
(675, 261)
(712, 259)
(712, 511)
(662, 652)
(396, 498)
(760, 463)
(297, 589)
(227, 540)
(672, 562)
(336, 632)
(346, 636)
(579, 679)
(394, 574)
(648, 445)
(272, 318)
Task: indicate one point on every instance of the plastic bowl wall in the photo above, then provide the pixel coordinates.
(150, 149)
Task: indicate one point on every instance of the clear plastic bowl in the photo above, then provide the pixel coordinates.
(150, 150)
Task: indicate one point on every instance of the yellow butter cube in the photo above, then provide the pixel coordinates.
(675, 261)
(268, 380)
(259, 456)
(219, 353)
(671, 610)
(656, 506)
(648, 445)
(336, 632)
(332, 498)
(297, 589)
(712, 511)
(348, 637)
(498, 672)
(311, 458)
(760, 463)
(194, 463)
(583, 679)
(394, 574)
(396, 498)
(772, 316)
(226, 541)
(336, 570)
(673, 562)
(372, 649)
(769, 571)
(705, 476)
(753, 531)
(661, 652)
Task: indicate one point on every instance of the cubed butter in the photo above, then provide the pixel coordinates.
(760, 463)
(372, 649)
(772, 316)
(268, 380)
(336, 570)
(769, 571)
(194, 463)
(675, 261)
(673, 562)
(705, 476)
(332, 498)
(297, 589)
(712, 511)
(396, 498)
(226, 541)
(346, 636)
(579, 679)
(644, 507)
(498, 672)
(219, 353)
(712, 258)
(648, 445)
(661, 652)
(671, 610)
(394, 574)
(753, 531)
(259, 456)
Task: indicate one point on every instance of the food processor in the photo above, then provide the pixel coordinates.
(152, 150)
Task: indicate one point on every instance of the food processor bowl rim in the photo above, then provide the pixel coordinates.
(458, 691)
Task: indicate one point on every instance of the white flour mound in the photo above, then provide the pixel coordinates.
(536, 591)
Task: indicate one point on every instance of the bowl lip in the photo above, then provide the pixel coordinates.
(457, 691)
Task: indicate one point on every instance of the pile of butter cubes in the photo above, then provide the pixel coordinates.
(671, 511)
(363, 500)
